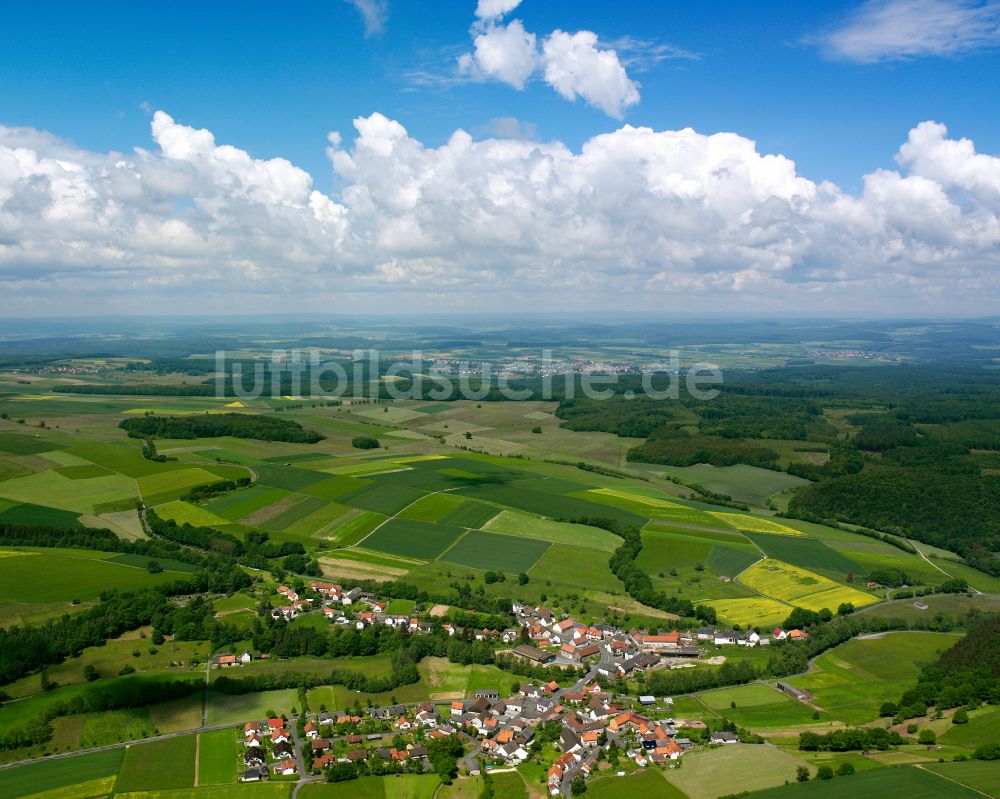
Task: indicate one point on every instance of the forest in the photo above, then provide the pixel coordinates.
(214, 425)
(916, 452)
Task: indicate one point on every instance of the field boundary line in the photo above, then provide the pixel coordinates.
(197, 756)
(396, 514)
(950, 779)
(451, 546)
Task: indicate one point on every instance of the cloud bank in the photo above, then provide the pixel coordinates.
(637, 218)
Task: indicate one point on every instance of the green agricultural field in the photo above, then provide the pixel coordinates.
(471, 514)
(755, 611)
(142, 562)
(753, 695)
(852, 680)
(393, 786)
(289, 478)
(983, 727)
(480, 550)
(227, 709)
(413, 539)
(734, 768)
(979, 775)
(388, 499)
(644, 505)
(156, 488)
(53, 775)
(355, 526)
(754, 524)
(662, 550)
(576, 567)
(648, 782)
(158, 765)
(731, 559)
(217, 757)
(52, 489)
(84, 472)
(302, 509)
(809, 553)
(186, 513)
(318, 523)
(260, 790)
(981, 581)
(246, 501)
(901, 782)
(24, 444)
(524, 525)
(116, 726)
(57, 576)
(801, 587)
(27, 513)
(550, 505)
(743, 483)
(432, 508)
(947, 604)
(123, 458)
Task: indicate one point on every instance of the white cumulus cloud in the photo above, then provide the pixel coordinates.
(576, 65)
(506, 53)
(494, 9)
(636, 218)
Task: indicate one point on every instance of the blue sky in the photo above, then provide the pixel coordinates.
(275, 83)
(808, 81)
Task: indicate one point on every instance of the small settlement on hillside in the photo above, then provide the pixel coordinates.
(582, 721)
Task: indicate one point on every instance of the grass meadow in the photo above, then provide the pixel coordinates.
(158, 765)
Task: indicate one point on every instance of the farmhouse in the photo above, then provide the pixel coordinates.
(534, 654)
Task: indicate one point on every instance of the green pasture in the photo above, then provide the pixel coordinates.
(481, 550)
(290, 478)
(52, 775)
(217, 757)
(900, 782)
(246, 501)
(733, 768)
(577, 568)
(279, 789)
(388, 499)
(186, 513)
(158, 765)
(983, 727)
(413, 539)
(52, 489)
(432, 508)
(229, 709)
(471, 514)
(29, 513)
(353, 527)
(56, 576)
(524, 525)
(743, 483)
(979, 775)
(809, 553)
(648, 782)
(851, 681)
(550, 505)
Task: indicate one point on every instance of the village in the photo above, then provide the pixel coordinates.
(576, 728)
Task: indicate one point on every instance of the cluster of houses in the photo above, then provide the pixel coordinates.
(589, 722)
(563, 641)
(263, 743)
